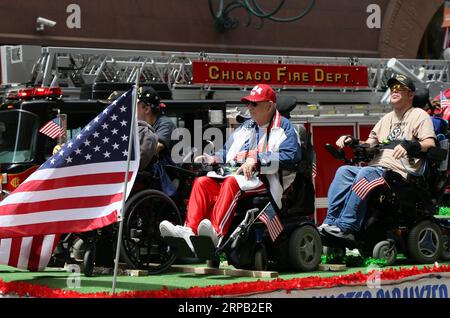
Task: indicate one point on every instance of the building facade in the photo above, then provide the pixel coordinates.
(364, 28)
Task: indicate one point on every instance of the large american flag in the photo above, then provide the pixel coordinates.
(80, 188)
(32, 253)
(53, 128)
(270, 218)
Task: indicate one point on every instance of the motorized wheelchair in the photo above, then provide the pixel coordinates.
(248, 244)
(400, 213)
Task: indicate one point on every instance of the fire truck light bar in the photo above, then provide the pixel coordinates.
(37, 92)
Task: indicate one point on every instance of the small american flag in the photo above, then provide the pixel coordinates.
(363, 187)
(444, 101)
(314, 170)
(80, 188)
(270, 218)
(53, 128)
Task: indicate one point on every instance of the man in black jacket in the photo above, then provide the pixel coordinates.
(148, 139)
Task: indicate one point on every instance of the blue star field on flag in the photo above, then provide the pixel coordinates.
(104, 139)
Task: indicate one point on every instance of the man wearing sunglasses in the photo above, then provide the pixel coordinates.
(261, 144)
(407, 131)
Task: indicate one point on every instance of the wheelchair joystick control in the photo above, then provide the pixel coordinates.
(337, 154)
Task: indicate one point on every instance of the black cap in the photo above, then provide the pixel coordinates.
(402, 79)
(149, 97)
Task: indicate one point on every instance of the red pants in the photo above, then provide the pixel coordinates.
(216, 200)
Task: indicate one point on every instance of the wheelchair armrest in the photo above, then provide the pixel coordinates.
(181, 171)
(299, 167)
(433, 154)
(291, 167)
(436, 154)
(337, 154)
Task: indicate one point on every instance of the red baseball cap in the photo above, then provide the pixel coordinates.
(260, 93)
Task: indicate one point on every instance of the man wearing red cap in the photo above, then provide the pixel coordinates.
(265, 141)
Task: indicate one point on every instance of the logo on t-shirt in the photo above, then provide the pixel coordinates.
(396, 132)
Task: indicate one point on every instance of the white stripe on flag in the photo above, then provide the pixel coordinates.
(24, 254)
(46, 251)
(61, 215)
(75, 192)
(5, 250)
(91, 168)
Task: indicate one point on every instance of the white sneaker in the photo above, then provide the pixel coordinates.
(185, 233)
(337, 232)
(321, 227)
(167, 229)
(205, 228)
(333, 228)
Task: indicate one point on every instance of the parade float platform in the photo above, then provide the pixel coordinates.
(402, 281)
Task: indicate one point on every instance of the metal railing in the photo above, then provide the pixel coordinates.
(71, 68)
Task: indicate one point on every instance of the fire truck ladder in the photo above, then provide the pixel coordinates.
(71, 68)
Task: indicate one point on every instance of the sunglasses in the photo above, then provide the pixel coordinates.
(399, 88)
(254, 104)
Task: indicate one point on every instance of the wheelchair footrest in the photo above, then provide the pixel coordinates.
(179, 247)
(333, 241)
(204, 247)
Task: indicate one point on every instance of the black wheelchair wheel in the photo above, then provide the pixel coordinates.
(305, 248)
(425, 242)
(89, 261)
(387, 251)
(142, 244)
(261, 258)
(445, 253)
(213, 263)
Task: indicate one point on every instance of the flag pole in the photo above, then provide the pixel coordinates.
(130, 143)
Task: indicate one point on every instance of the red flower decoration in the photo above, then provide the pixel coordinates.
(245, 288)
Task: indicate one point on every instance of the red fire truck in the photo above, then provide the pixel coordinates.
(335, 96)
